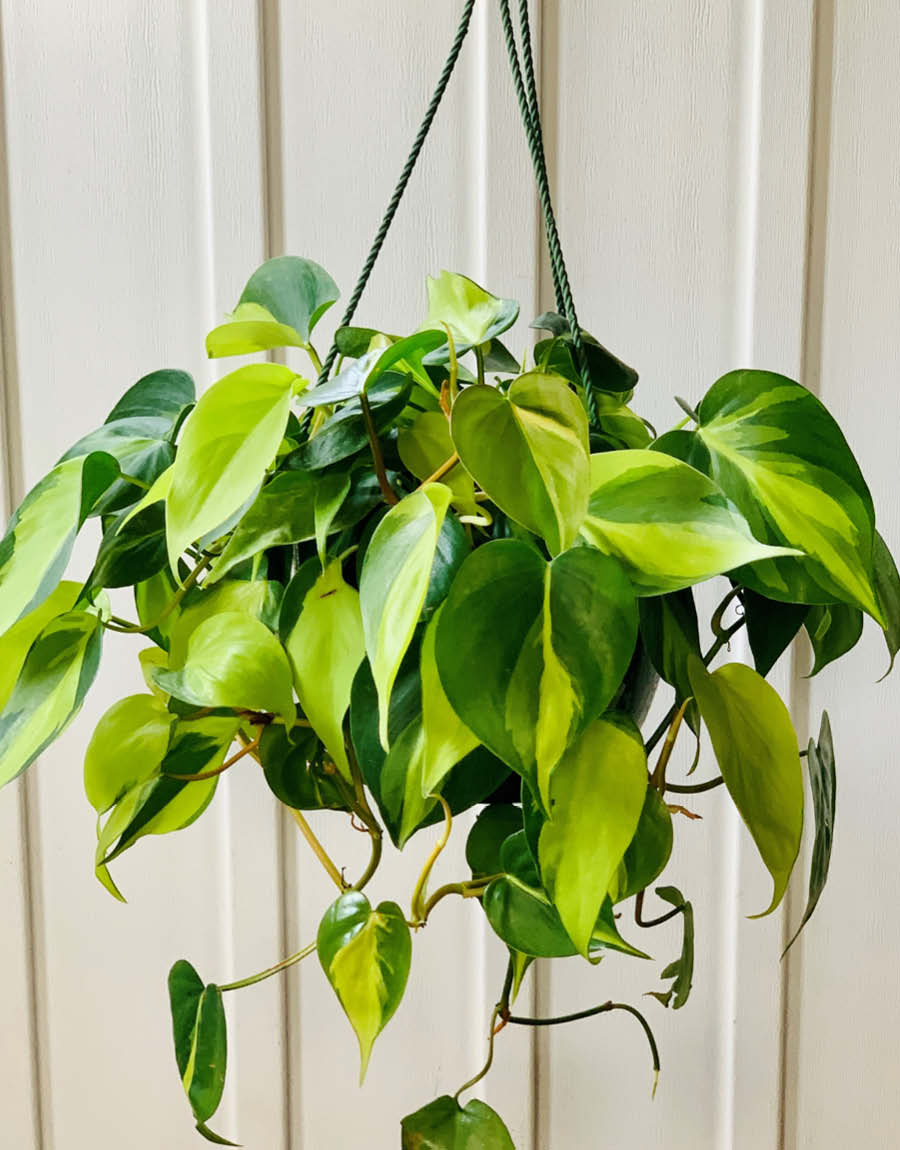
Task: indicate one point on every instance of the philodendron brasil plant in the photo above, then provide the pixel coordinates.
(439, 580)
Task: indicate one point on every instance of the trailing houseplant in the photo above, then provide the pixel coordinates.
(443, 577)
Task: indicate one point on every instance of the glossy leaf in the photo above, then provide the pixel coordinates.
(756, 749)
(128, 745)
(326, 646)
(671, 636)
(607, 372)
(134, 552)
(473, 315)
(39, 540)
(16, 642)
(331, 491)
(55, 677)
(823, 782)
(668, 524)
(887, 587)
(445, 1125)
(426, 446)
(394, 582)
(528, 449)
(285, 512)
(649, 850)
(771, 627)
(235, 661)
(682, 969)
(597, 793)
(228, 442)
(522, 915)
(780, 457)
(201, 1046)
(445, 737)
(551, 643)
(403, 355)
(281, 304)
(833, 631)
(256, 598)
(161, 395)
(489, 832)
(365, 954)
(296, 772)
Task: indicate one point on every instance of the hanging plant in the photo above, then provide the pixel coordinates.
(441, 578)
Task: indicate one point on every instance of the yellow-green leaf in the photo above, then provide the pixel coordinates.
(446, 738)
(669, 524)
(597, 793)
(528, 450)
(473, 315)
(758, 755)
(127, 747)
(365, 954)
(326, 646)
(229, 440)
(394, 581)
(15, 644)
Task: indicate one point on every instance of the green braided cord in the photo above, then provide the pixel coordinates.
(528, 105)
(411, 159)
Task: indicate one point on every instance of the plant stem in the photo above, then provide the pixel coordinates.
(138, 629)
(479, 359)
(374, 860)
(607, 1006)
(695, 788)
(269, 971)
(318, 850)
(314, 358)
(416, 907)
(474, 889)
(446, 466)
(721, 640)
(501, 1010)
(453, 382)
(648, 922)
(134, 479)
(658, 778)
(247, 749)
(390, 496)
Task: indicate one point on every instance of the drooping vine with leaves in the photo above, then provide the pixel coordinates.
(428, 577)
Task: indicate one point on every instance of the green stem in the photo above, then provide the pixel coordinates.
(453, 382)
(314, 358)
(501, 1011)
(649, 922)
(318, 850)
(416, 906)
(605, 1008)
(474, 889)
(134, 479)
(694, 788)
(479, 359)
(137, 629)
(374, 860)
(291, 960)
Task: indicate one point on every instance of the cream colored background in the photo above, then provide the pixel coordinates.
(727, 177)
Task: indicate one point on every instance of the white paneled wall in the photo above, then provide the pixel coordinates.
(727, 177)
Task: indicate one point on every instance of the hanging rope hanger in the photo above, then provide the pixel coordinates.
(526, 94)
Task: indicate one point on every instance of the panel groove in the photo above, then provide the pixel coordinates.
(818, 178)
(11, 492)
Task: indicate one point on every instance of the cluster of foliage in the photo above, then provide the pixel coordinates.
(441, 580)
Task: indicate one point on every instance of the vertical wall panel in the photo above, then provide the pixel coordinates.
(845, 1005)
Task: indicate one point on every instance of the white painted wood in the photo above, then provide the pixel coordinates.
(156, 153)
(845, 1005)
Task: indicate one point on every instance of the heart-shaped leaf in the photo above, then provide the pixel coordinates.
(16, 642)
(445, 1125)
(756, 749)
(667, 523)
(426, 446)
(365, 954)
(127, 746)
(283, 301)
(201, 1045)
(597, 792)
(326, 645)
(780, 457)
(833, 631)
(55, 677)
(649, 850)
(394, 582)
(228, 442)
(39, 540)
(528, 449)
(235, 661)
(550, 641)
(403, 355)
(473, 315)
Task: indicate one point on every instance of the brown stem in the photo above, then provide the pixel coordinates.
(442, 470)
(390, 496)
(318, 850)
(247, 749)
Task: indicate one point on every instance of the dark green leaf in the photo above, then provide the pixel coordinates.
(489, 831)
(823, 781)
(198, 1026)
(833, 631)
(162, 395)
(771, 627)
(887, 588)
(682, 969)
(670, 635)
(607, 372)
(134, 552)
(445, 1125)
(649, 850)
(296, 772)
